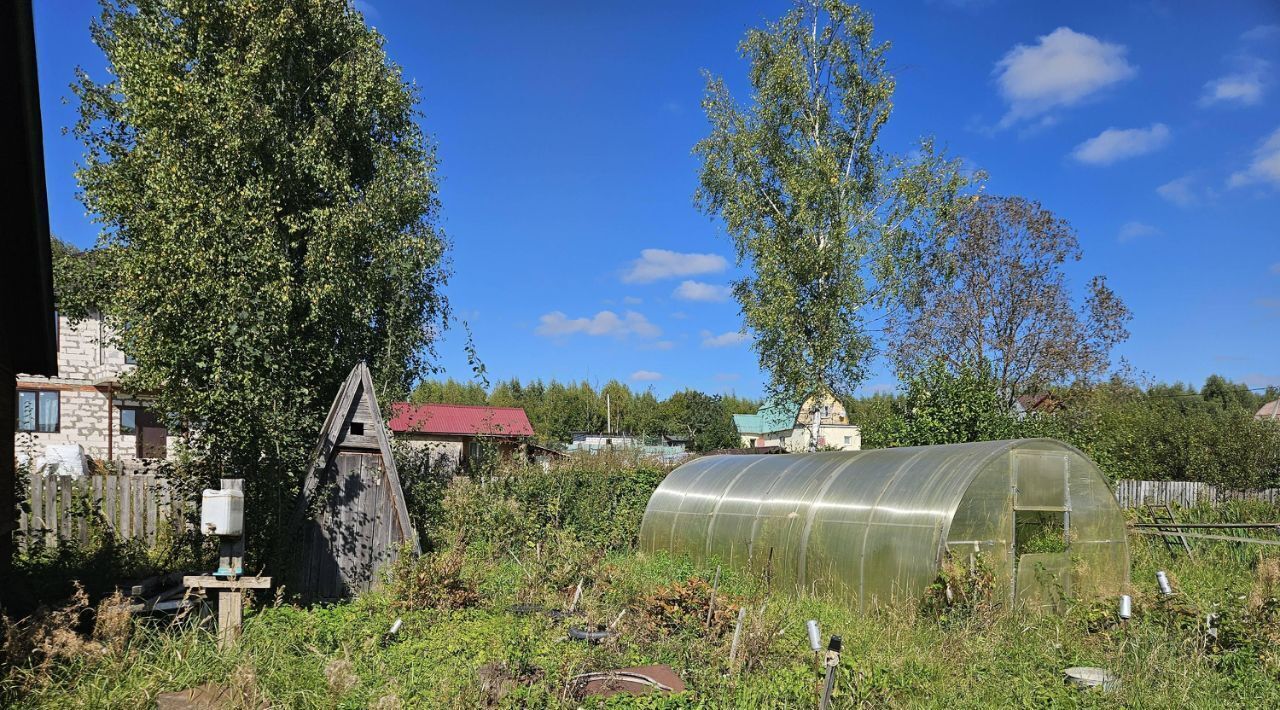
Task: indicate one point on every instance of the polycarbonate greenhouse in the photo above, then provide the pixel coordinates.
(876, 526)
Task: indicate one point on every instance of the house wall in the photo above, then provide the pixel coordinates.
(85, 356)
(830, 436)
(445, 449)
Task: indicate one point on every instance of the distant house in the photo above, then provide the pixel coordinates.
(789, 426)
(1269, 411)
(84, 404)
(464, 435)
(1038, 403)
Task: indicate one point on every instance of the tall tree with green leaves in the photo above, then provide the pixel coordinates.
(1004, 304)
(268, 206)
(833, 228)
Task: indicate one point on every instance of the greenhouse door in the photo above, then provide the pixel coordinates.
(1041, 528)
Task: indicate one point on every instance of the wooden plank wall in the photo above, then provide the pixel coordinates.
(1131, 494)
(130, 505)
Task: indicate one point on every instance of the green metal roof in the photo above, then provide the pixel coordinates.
(773, 416)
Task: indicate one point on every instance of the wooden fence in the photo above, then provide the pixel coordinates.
(1132, 494)
(141, 505)
(129, 505)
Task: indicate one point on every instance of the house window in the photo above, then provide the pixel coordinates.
(128, 420)
(357, 428)
(753, 443)
(848, 441)
(130, 360)
(39, 411)
(473, 450)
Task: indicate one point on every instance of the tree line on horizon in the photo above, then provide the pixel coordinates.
(557, 409)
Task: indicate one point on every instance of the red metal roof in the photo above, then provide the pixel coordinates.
(459, 419)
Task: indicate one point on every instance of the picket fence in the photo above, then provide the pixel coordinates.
(130, 506)
(1131, 494)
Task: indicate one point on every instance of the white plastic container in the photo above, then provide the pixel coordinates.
(815, 636)
(64, 459)
(222, 512)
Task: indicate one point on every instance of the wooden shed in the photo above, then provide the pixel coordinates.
(351, 517)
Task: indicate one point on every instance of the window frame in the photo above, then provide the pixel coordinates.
(57, 422)
(120, 420)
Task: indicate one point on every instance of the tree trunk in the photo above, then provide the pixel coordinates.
(815, 426)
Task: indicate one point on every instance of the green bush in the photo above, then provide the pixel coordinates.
(598, 500)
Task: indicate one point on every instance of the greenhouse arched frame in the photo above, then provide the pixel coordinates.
(876, 526)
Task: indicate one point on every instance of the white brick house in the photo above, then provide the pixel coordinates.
(85, 405)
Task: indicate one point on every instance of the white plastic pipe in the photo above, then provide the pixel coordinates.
(1163, 580)
(1126, 606)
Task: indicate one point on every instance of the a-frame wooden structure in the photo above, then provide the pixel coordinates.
(351, 517)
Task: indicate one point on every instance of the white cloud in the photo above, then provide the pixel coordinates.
(1062, 69)
(723, 340)
(1116, 144)
(1180, 192)
(1265, 167)
(699, 291)
(632, 300)
(1261, 33)
(646, 376)
(1245, 89)
(1136, 230)
(658, 264)
(557, 324)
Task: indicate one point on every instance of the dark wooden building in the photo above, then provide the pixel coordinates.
(26, 278)
(351, 517)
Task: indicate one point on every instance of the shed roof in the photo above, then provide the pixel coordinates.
(1270, 410)
(459, 420)
(773, 416)
(28, 274)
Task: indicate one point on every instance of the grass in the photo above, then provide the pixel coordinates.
(462, 646)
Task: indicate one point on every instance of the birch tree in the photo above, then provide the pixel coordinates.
(833, 228)
(268, 208)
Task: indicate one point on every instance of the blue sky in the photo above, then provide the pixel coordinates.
(565, 129)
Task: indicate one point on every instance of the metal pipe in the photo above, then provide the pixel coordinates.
(1163, 580)
(1202, 536)
(111, 425)
(1126, 606)
(832, 663)
(1206, 525)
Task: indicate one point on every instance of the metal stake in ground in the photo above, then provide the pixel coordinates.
(832, 662)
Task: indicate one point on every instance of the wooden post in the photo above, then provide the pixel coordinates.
(230, 617)
(228, 581)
